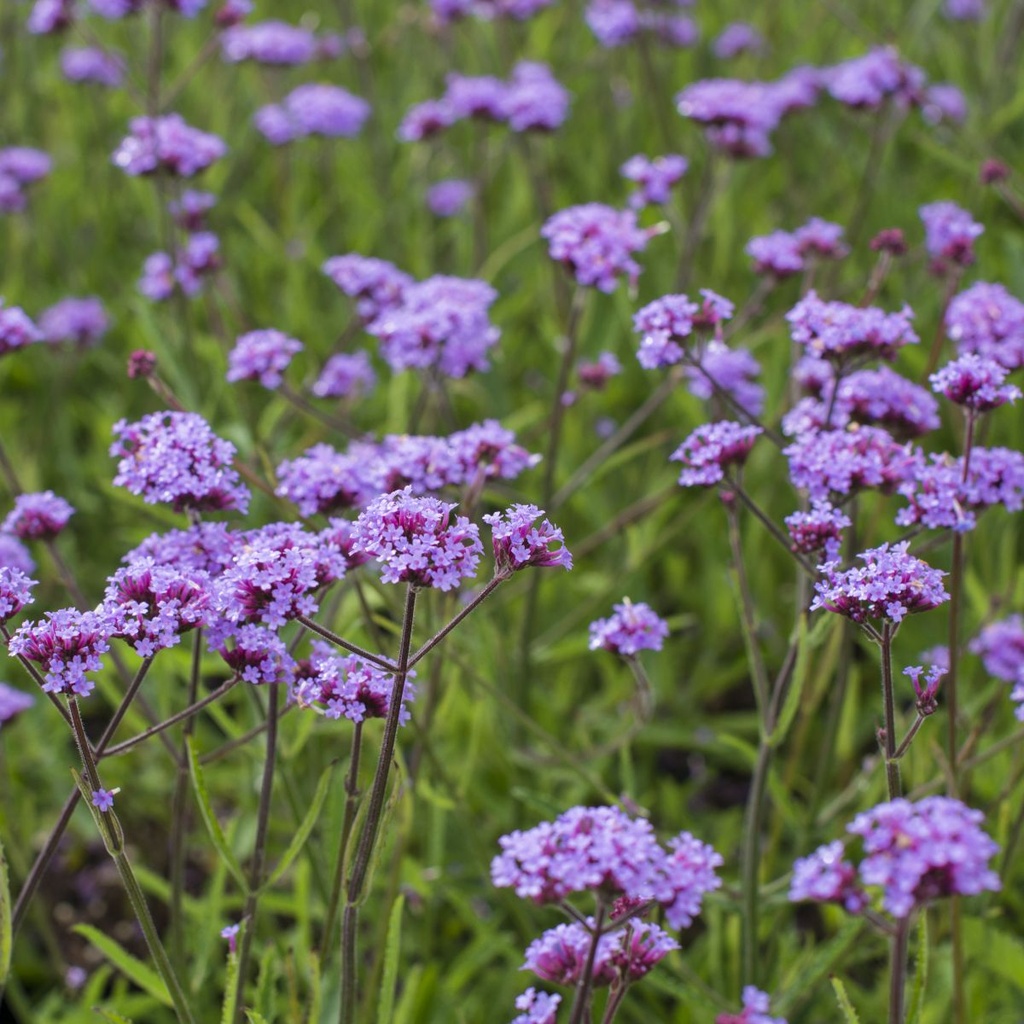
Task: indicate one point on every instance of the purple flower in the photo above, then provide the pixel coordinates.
(268, 42)
(479, 96)
(230, 932)
(443, 322)
(534, 100)
(202, 548)
(257, 655)
(613, 22)
(92, 64)
(426, 119)
(655, 178)
(755, 1010)
(633, 628)
(885, 398)
(24, 164)
(416, 542)
(949, 233)
(263, 356)
(719, 367)
(175, 457)
(345, 375)
(941, 498)
(50, 16)
(596, 243)
(918, 852)
(820, 529)
(777, 254)
(167, 143)
(190, 210)
(158, 277)
(975, 383)
(16, 329)
(80, 322)
(825, 877)
(1000, 646)
(487, 450)
(14, 554)
(450, 197)
(710, 449)
(340, 536)
(964, 10)
(102, 799)
(987, 320)
(67, 645)
(313, 109)
(821, 238)
(890, 585)
(517, 542)
(376, 284)
(737, 38)
(152, 605)
(839, 332)
(13, 702)
(926, 702)
(15, 592)
(346, 687)
(944, 102)
(39, 516)
(597, 374)
(537, 1007)
(663, 323)
(866, 82)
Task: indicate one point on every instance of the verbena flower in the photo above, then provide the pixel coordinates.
(710, 449)
(777, 254)
(927, 692)
(339, 534)
(818, 529)
(964, 10)
(175, 457)
(720, 368)
(450, 197)
(167, 143)
(416, 542)
(839, 462)
(940, 497)
(24, 165)
(16, 329)
(48, 17)
(102, 799)
(825, 877)
(519, 541)
(537, 1007)
(755, 1010)
(425, 120)
(866, 82)
(152, 605)
(654, 178)
(596, 243)
(1000, 645)
(534, 99)
(325, 480)
(79, 322)
(190, 209)
(39, 516)
(560, 955)
(602, 848)
(890, 585)
(345, 375)
(268, 42)
(12, 703)
(596, 374)
(737, 38)
(943, 102)
(15, 591)
(633, 627)
(92, 64)
(339, 686)
(376, 284)
(987, 320)
(14, 554)
(662, 324)
(313, 109)
(257, 655)
(203, 547)
(263, 356)
(975, 383)
(66, 645)
(949, 233)
(884, 398)
(840, 332)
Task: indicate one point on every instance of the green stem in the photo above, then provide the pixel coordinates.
(584, 987)
(376, 659)
(892, 768)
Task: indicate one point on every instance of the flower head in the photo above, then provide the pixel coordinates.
(819, 529)
(597, 243)
(826, 877)
(80, 322)
(949, 233)
(518, 542)
(710, 449)
(840, 332)
(66, 644)
(39, 516)
(102, 799)
(313, 109)
(755, 1010)
(167, 143)
(268, 42)
(450, 197)
(631, 629)
(263, 356)
(890, 585)
(15, 592)
(345, 375)
(654, 178)
(537, 1007)
(734, 371)
(866, 82)
(975, 383)
(662, 324)
(16, 329)
(376, 284)
(13, 702)
(986, 319)
(257, 655)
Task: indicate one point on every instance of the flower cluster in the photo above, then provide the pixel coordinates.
(447, 11)
(13, 702)
(890, 585)
(15, 592)
(662, 324)
(312, 109)
(819, 529)
(345, 375)
(376, 285)
(272, 42)
(654, 178)
(720, 368)
(987, 320)
(187, 269)
(257, 655)
(975, 383)
(602, 848)
(66, 644)
(537, 1007)
(39, 516)
(784, 253)
(92, 64)
(1001, 648)
(450, 197)
(14, 554)
(756, 1008)
(949, 233)
(416, 542)
(596, 243)
(840, 332)
(711, 448)
(78, 322)
(20, 166)
(737, 38)
(175, 457)
(167, 143)
(866, 82)
(617, 22)
(263, 356)
(913, 852)
(519, 542)
(631, 629)
(16, 329)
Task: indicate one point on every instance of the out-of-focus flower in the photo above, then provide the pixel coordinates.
(39, 516)
(263, 356)
(710, 449)
(631, 629)
(79, 322)
(167, 143)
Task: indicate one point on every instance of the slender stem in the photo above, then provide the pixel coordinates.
(372, 822)
(85, 751)
(750, 857)
(735, 486)
(898, 978)
(259, 850)
(492, 585)
(952, 283)
(698, 221)
(584, 987)
(8, 473)
(351, 803)
(376, 659)
(909, 738)
(892, 768)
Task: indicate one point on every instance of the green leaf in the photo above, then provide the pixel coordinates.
(229, 1003)
(305, 827)
(145, 977)
(6, 939)
(255, 1018)
(210, 819)
(849, 1013)
(316, 988)
(110, 1015)
(1004, 953)
(921, 972)
(391, 955)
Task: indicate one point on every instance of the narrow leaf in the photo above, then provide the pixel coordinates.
(145, 977)
(849, 1013)
(210, 819)
(255, 1017)
(110, 1015)
(316, 988)
(5, 920)
(305, 827)
(391, 955)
